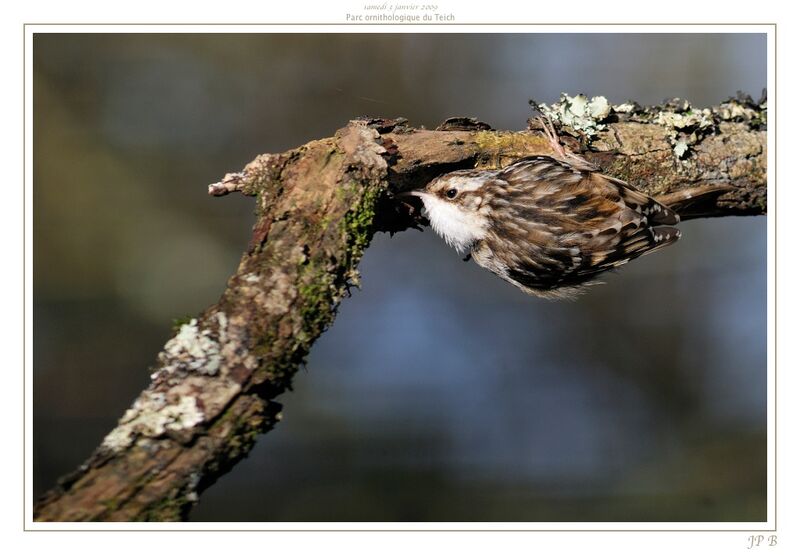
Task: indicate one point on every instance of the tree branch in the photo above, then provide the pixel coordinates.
(213, 388)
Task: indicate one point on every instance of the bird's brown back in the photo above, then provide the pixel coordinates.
(555, 225)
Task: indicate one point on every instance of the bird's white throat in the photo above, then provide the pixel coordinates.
(458, 227)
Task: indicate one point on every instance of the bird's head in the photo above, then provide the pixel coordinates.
(455, 205)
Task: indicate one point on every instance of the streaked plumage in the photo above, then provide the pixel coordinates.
(547, 225)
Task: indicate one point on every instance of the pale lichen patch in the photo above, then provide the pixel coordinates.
(193, 350)
(280, 296)
(190, 387)
(744, 109)
(625, 107)
(579, 112)
(686, 127)
(191, 487)
(185, 414)
(211, 393)
(251, 278)
(150, 416)
(222, 327)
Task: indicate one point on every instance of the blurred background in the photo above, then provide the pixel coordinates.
(441, 393)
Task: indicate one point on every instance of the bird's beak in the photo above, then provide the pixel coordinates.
(420, 194)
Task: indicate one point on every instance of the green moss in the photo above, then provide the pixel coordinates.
(316, 295)
(111, 505)
(319, 288)
(248, 425)
(178, 322)
(638, 173)
(171, 509)
(494, 143)
(357, 222)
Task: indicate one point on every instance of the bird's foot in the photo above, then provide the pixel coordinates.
(552, 136)
(562, 153)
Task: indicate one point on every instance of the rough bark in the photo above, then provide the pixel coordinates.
(213, 389)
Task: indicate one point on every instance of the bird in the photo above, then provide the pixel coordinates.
(550, 225)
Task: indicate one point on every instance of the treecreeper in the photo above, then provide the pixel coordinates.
(548, 225)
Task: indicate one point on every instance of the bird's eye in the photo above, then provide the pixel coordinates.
(451, 193)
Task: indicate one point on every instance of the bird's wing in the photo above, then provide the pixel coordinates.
(557, 225)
